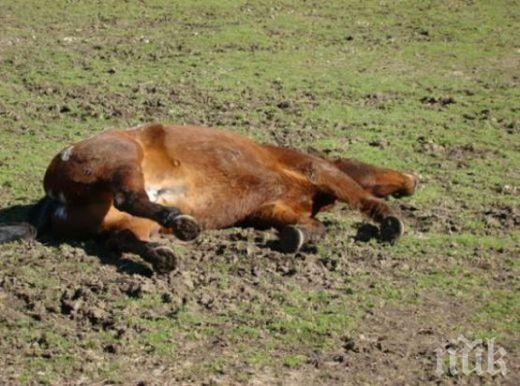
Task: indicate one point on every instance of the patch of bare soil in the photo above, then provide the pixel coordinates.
(393, 344)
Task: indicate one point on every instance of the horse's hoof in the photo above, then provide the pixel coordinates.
(20, 231)
(415, 178)
(291, 239)
(185, 227)
(163, 259)
(410, 187)
(367, 232)
(391, 229)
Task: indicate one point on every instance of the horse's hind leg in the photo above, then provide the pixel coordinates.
(380, 182)
(331, 180)
(295, 225)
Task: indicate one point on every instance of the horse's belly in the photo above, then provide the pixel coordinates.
(214, 206)
(219, 184)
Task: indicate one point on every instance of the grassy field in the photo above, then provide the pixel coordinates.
(427, 86)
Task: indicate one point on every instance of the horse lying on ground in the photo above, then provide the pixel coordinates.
(128, 185)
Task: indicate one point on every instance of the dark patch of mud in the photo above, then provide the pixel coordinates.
(503, 217)
(438, 101)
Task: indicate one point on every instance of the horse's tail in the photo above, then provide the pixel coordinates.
(37, 222)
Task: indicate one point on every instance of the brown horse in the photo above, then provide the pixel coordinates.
(127, 185)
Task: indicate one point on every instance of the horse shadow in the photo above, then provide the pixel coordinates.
(19, 214)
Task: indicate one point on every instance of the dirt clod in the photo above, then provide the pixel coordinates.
(440, 101)
(349, 345)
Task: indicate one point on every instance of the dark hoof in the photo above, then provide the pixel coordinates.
(163, 259)
(291, 239)
(20, 231)
(391, 229)
(185, 227)
(367, 232)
